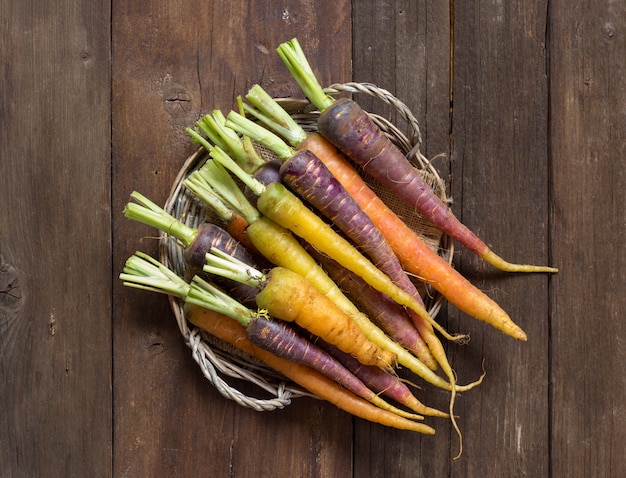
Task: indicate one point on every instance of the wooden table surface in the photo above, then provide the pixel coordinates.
(526, 100)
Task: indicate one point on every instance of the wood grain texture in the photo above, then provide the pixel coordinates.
(500, 170)
(55, 250)
(588, 150)
(526, 100)
(174, 62)
(404, 47)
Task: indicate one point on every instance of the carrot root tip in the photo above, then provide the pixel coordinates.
(499, 263)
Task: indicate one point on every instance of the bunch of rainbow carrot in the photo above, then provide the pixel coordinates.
(307, 268)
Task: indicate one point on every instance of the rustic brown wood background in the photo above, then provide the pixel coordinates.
(526, 98)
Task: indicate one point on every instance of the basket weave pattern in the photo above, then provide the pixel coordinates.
(219, 362)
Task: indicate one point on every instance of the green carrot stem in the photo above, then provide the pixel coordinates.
(216, 180)
(224, 265)
(258, 133)
(144, 272)
(214, 127)
(254, 159)
(225, 138)
(199, 187)
(206, 295)
(272, 115)
(229, 164)
(144, 201)
(196, 137)
(147, 212)
(267, 120)
(295, 60)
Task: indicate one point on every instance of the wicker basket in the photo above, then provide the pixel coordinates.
(220, 363)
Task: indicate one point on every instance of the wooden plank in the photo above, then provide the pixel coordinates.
(588, 153)
(173, 62)
(546, 407)
(55, 264)
(404, 47)
(500, 190)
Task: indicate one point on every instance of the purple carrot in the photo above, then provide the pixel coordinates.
(378, 380)
(265, 174)
(196, 242)
(212, 236)
(283, 341)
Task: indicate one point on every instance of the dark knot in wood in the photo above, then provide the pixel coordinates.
(10, 289)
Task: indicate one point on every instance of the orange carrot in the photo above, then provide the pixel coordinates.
(314, 382)
(416, 257)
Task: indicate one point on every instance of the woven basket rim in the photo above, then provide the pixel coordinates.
(220, 365)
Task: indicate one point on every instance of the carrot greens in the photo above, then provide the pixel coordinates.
(213, 126)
